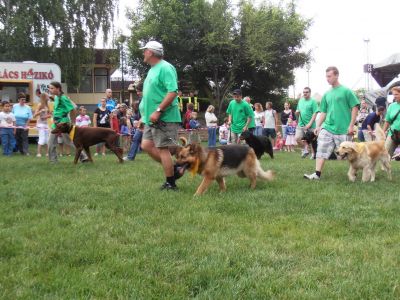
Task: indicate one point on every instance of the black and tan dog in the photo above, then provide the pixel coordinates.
(260, 144)
(84, 137)
(217, 163)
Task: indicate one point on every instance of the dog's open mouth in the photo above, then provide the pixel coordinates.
(342, 156)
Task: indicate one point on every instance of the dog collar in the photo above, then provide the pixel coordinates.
(72, 133)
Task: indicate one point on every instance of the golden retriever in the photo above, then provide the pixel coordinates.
(365, 156)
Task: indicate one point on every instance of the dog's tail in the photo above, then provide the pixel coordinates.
(266, 175)
(379, 133)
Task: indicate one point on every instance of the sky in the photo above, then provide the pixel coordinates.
(337, 37)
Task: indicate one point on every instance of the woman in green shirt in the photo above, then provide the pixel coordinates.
(64, 109)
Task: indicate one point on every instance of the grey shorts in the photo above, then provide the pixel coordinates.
(328, 142)
(163, 135)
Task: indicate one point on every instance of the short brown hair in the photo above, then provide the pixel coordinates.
(21, 95)
(332, 68)
(395, 88)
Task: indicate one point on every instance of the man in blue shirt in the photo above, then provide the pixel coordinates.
(367, 126)
(110, 102)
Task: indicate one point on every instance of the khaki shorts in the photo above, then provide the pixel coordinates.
(162, 135)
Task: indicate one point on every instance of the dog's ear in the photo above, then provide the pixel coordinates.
(183, 141)
(351, 145)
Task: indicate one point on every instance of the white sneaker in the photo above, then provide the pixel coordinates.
(312, 176)
(96, 154)
(104, 154)
(38, 155)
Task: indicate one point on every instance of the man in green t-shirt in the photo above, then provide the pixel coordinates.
(392, 121)
(160, 111)
(339, 109)
(239, 116)
(306, 112)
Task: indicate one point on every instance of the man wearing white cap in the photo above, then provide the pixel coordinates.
(160, 111)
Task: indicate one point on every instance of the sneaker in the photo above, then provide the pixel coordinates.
(168, 187)
(126, 158)
(96, 154)
(312, 176)
(304, 155)
(103, 154)
(312, 157)
(38, 155)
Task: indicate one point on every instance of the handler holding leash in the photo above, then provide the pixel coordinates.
(160, 111)
(64, 109)
(339, 108)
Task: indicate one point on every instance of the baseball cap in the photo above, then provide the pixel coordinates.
(154, 46)
(237, 92)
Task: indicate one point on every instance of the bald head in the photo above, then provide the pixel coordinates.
(108, 93)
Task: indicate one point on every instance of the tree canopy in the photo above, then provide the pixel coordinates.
(217, 48)
(62, 31)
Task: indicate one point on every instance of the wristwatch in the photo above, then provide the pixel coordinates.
(159, 110)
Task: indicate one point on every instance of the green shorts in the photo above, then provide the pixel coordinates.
(162, 135)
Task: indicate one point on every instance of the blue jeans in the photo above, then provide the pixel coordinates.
(7, 140)
(212, 136)
(258, 131)
(135, 147)
(360, 135)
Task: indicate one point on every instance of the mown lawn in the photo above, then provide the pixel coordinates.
(105, 231)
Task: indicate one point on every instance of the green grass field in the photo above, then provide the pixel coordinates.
(105, 231)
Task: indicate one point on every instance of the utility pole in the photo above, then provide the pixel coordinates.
(366, 41)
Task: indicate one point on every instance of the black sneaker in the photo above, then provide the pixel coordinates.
(168, 187)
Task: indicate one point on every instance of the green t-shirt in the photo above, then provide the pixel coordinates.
(306, 107)
(390, 114)
(62, 107)
(337, 103)
(240, 112)
(160, 80)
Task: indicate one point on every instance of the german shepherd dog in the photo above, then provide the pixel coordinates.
(85, 137)
(217, 163)
(260, 144)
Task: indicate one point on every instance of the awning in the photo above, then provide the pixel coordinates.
(386, 70)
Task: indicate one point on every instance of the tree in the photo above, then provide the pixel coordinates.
(61, 31)
(257, 50)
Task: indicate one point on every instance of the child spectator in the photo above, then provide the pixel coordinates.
(7, 132)
(279, 142)
(124, 130)
(290, 135)
(188, 114)
(83, 120)
(224, 133)
(114, 121)
(42, 114)
(194, 136)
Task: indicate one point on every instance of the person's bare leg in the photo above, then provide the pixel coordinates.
(166, 161)
(319, 164)
(149, 147)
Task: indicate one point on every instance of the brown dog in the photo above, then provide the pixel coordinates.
(85, 137)
(216, 163)
(365, 156)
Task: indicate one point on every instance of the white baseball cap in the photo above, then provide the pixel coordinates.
(155, 47)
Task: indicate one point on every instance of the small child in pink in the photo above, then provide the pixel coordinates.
(83, 120)
(279, 142)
